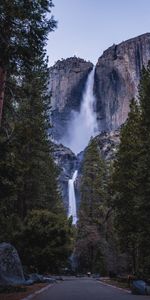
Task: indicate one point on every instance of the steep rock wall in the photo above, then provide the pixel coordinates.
(66, 162)
(117, 78)
(66, 84)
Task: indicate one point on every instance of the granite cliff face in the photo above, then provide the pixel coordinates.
(116, 79)
(66, 83)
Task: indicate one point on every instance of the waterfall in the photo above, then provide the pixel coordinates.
(72, 199)
(84, 123)
(82, 127)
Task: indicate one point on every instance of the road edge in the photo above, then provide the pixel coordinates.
(38, 292)
(115, 287)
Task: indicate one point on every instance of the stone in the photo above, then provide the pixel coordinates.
(37, 278)
(138, 287)
(108, 143)
(117, 77)
(11, 272)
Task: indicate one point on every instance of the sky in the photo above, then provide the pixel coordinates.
(88, 27)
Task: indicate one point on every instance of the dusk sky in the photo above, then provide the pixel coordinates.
(88, 27)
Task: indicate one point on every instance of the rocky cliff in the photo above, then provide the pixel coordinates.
(116, 81)
(66, 83)
(66, 162)
(117, 78)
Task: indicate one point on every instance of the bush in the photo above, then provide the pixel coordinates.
(45, 242)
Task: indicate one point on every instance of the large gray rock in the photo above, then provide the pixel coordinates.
(66, 83)
(11, 272)
(138, 287)
(117, 78)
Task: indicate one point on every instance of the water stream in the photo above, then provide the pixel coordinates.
(82, 127)
(72, 199)
(83, 124)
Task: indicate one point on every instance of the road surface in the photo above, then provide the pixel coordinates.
(85, 289)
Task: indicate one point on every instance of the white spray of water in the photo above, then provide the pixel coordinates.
(72, 199)
(84, 124)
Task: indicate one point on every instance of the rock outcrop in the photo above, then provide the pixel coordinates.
(66, 162)
(108, 143)
(11, 272)
(117, 78)
(66, 84)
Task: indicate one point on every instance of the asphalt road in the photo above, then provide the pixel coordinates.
(85, 289)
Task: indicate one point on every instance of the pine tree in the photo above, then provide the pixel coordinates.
(144, 170)
(28, 175)
(24, 131)
(24, 27)
(37, 186)
(125, 184)
(45, 242)
(92, 211)
(93, 185)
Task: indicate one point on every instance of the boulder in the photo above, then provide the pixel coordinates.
(38, 278)
(147, 289)
(138, 287)
(11, 272)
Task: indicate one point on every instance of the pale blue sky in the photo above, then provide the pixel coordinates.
(88, 27)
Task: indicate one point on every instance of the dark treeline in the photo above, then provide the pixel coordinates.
(90, 245)
(31, 214)
(124, 192)
(131, 181)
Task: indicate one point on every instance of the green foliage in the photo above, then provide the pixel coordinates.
(24, 26)
(131, 181)
(92, 212)
(126, 184)
(32, 215)
(45, 241)
(93, 185)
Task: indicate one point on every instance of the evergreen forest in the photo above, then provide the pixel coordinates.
(114, 207)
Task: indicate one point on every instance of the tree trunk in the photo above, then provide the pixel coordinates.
(2, 90)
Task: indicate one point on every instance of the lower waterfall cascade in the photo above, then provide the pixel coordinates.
(72, 199)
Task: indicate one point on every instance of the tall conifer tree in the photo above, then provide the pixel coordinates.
(125, 181)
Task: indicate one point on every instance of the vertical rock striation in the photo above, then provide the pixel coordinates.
(117, 78)
(66, 83)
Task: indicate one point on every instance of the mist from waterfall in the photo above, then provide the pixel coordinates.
(72, 199)
(83, 125)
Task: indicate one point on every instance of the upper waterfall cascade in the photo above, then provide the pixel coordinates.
(83, 125)
(72, 199)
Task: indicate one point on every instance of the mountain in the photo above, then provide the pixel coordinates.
(116, 81)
